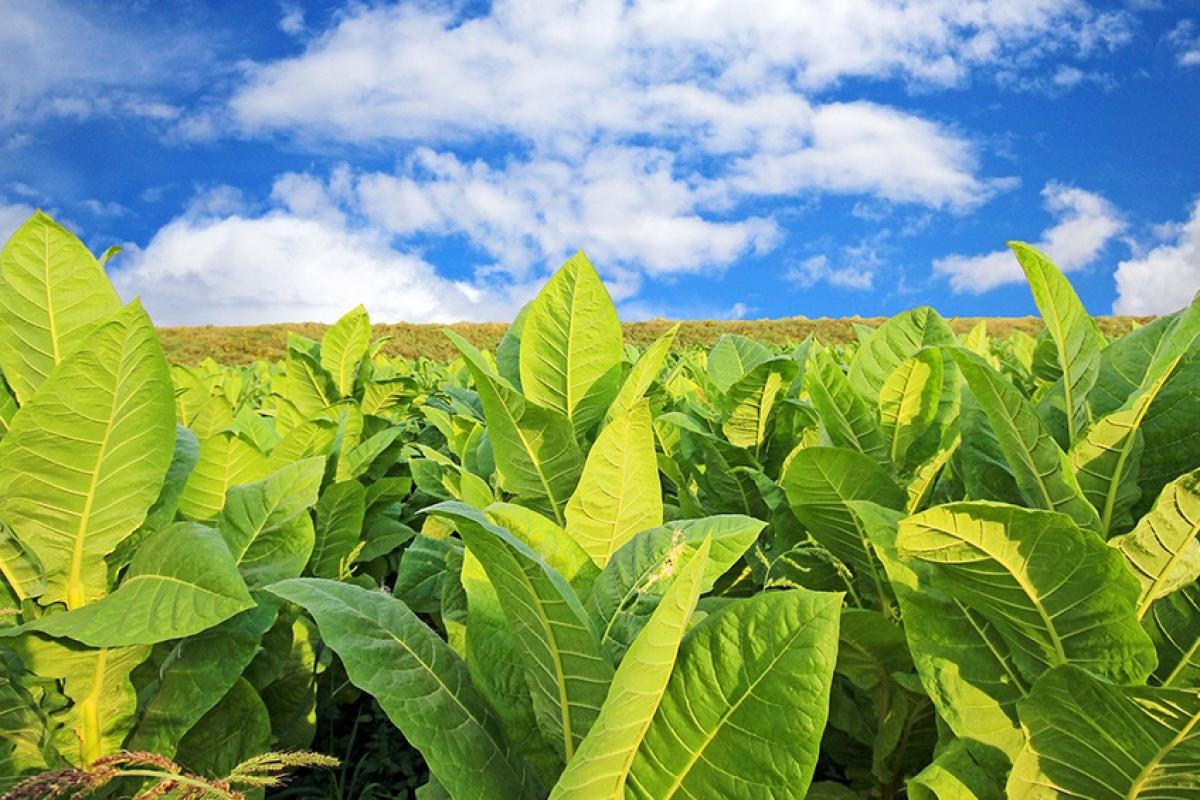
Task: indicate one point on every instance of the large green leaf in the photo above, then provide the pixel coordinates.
(908, 403)
(567, 675)
(344, 345)
(103, 698)
(1077, 340)
(1108, 458)
(181, 581)
(643, 373)
(53, 295)
(235, 729)
(748, 403)
(633, 583)
(960, 656)
(266, 524)
(199, 671)
(1042, 470)
(601, 766)
(893, 343)
(537, 456)
(87, 454)
(508, 351)
(1091, 740)
(619, 492)
(1163, 551)
(744, 710)
(553, 544)
(308, 386)
(340, 513)
(571, 345)
(21, 574)
(419, 682)
(845, 416)
(731, 357)
(1174, 625)
(225, 460)
(819, 482)
(1056, 593)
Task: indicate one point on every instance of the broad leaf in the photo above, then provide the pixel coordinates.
(1056, 593)
(643, 373)
(732, 357)
(344, 345)
(908, 403)
(419, 682)
(845, 416)
(602, 763)
(619, 492)
(1077, 340)
(181, 581)
(225, 461)
(571, 345)
(745, 707)
(1041, 468)
(893, 343)
(1091, 740)
(86, 455)
(1163, 551)
(340, 513)
(53, 295)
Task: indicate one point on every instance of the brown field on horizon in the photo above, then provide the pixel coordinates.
(243, 344)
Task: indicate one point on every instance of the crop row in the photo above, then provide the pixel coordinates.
(925, 563)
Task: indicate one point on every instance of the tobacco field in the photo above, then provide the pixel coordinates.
(926, 563)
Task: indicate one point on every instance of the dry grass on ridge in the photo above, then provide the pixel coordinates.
(241, 344)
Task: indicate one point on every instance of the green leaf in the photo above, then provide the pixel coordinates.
(633, 583)
(508, 351)
(21, 574)
(893, 343)
(819, 482)
(1107, 459)
(571, 345)
(344, 345)
(225, 461)
(1042, 470)
(601, 766)
(340, 513)
(553, 544)
(619, 492)
(1162, 551)
(1057, 594)
(183, 461)
(954, 775)
(53, 295)
(199, 671)
(750, 680)
(1076, 338)
(731, 357)
(845, 416)
(961, 658)
(643, 373)
(567, 676)
(307, 385)
(908, 403)
(748, 403)
(419, 682)
(1091, 740)
(87, 453)
(266, 524)
(232, 731)
(1174, 625)
(181, 581)
(104, 700)
(537, 456)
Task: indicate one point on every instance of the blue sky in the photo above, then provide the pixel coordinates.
(284, 161)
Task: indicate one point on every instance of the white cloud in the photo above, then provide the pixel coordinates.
(12, 216)
(1165, 278)
(625, 206)
(62, 60)
(819, 269)
(1185, 40)
(1085, 223)
(284, 267)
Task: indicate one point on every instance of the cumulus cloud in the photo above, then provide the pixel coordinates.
(1085, 223)
(1185, 40)
(61, 60)
(284, 266)
(1164, 278)
(12, 216)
